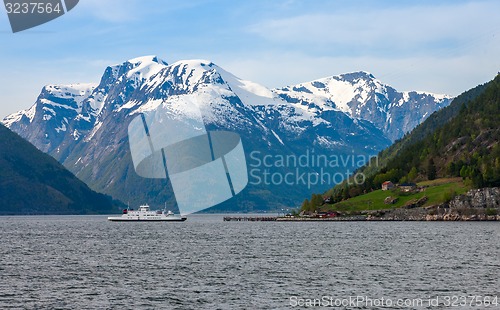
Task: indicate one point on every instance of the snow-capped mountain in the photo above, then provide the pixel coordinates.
(55, 111)
(361, 96)
(84, 126)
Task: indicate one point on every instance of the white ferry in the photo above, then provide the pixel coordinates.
(145, 214)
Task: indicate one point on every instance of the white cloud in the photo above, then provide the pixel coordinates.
(389, 31)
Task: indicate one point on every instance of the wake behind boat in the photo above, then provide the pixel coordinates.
(145, 214)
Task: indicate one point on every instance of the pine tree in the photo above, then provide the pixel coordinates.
(431, 170)
(412, 175)
(316, 201)
(305, 205)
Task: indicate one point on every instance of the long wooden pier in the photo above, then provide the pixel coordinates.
(291, 219)
(250, 218)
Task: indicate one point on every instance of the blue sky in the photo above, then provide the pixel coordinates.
(438, 46)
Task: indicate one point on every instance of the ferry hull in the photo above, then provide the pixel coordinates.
(120, 219)
(145, 214)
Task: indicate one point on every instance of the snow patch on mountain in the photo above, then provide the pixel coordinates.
(90, 135)
(440, 97)
(54, 97)
(277, 137)
(145, 67)
(78, 92)
(250, 93)
(96, 100)
(361, 96)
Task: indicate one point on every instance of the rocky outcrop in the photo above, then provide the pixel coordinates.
(459, 217)
(415, 203)
(478, 198)
(475, 205)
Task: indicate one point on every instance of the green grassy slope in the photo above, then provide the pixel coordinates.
(437, 192)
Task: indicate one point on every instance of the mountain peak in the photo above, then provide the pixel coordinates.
(195, 63)
(356, 75)
(140, 67)
(146, 59)
(195, 74)
(76, 91)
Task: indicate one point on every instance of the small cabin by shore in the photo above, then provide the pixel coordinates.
(387, 185)
(407, 187)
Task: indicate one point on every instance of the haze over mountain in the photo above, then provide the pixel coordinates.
(84, 126)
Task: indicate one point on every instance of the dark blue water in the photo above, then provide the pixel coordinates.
(86, 262)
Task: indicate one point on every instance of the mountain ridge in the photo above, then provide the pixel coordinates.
(94, 144)
(380, 102)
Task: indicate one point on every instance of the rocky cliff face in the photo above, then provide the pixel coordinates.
(488, 198)
(475, 205)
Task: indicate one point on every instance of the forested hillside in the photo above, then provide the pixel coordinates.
(460, 140)
(32, 182)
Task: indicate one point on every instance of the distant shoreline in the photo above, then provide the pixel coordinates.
(451, 218)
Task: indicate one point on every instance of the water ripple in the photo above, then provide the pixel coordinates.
(85, 262)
